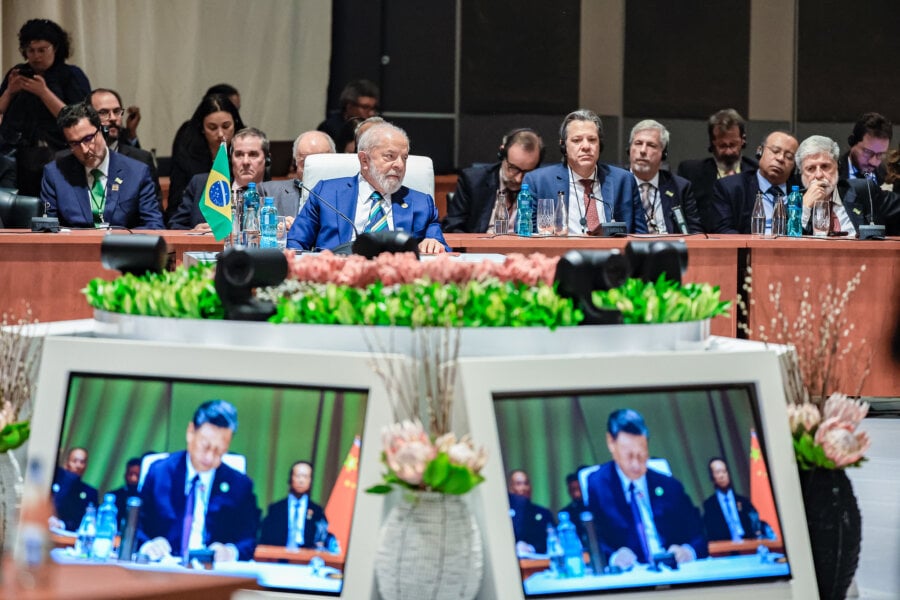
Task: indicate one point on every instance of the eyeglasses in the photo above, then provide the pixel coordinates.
(515, 171)
(787, 154)
(85, 140)
(106, 112)
(870, 154)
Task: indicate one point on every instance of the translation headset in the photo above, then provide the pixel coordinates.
(510, 138)
(565, 126)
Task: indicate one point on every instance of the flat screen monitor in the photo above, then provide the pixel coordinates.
(127, 399)
(672, 415)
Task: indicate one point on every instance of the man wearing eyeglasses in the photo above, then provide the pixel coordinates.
(472, 208)
(734, 196)
(869, 144)
(93, 187)
(108, 104)
(358, 100)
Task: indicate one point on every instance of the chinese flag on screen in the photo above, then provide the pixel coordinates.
(760, 488)
(339, 510)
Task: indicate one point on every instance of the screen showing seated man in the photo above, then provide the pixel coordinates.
(642, 463)
(211, 455)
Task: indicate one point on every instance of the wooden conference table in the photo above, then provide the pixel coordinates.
(49, 270)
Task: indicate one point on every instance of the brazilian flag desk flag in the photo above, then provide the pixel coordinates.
(216, 202)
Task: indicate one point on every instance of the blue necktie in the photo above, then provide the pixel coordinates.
(377, 217)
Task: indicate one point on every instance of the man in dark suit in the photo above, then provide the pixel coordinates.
(726, 514)
(93, 187)
(373, 201)
(638, 512)
(130, 489)
(851, 201)
(662, 194)
(7, 172)
(472, 207)
(595, 192)
(108, 104)
(869, 143)
(727, 137)
(191, 500)
(296, 521)
(71, 495)
(530, 521)
(734, 196)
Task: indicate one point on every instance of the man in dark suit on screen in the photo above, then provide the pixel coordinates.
(595, 192)
(638, 512)
(71, 495)
(191, 500)
(296, 521)
(472, 207)
(726, 514)
(661, 192)
(530, 520)
(93, 187)
(727, 138)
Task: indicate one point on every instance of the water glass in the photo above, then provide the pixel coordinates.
(546, 216)
(561, 220)
(281, 232)
(821, 217)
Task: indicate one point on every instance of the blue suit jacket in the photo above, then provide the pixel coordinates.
(676, 518)
(318, 227)
(130, 196)
(616, 186)
(232, 516)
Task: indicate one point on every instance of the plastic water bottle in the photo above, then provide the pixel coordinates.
(107, 526)
(524, 211)
(501, 214)
(87, 533)
(572, 549)
(268, 224)
(251, 216)
(795, 212)
(758, 217)
(556, 553)
(779, 218)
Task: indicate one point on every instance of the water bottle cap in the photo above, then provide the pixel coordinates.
(251, 185)
(270, 201)
(525, 187)
(111, 498)
(795, 188)
(563, 516)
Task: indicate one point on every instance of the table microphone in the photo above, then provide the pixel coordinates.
(610, 228)
(129, 536)
(679, 219)
(45, 224)
(346, 247)
(871, 231)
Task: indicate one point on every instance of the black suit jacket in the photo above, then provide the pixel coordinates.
(676, 191)
(733, 200)
(714, 520)
(274, 529)
(703, 174)
(855, 199)
(473, 202)
(530, 522)
(71, 497)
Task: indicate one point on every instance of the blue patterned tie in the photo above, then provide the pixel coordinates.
(377, 217)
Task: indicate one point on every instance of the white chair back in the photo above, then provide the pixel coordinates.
(238, 462)
(419, 170)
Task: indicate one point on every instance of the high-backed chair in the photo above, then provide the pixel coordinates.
(16, 211)
(238, 462)
(419, 170)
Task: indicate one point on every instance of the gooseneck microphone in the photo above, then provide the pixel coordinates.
(678, 214)
(346, 247)
(611, 228)
(871, 231)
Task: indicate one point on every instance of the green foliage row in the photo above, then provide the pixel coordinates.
(424, 303)
(663, 301)
(186, 292)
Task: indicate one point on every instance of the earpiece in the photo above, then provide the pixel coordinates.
(510, 138)
(268, 160)
(759, 152)
(665, 154)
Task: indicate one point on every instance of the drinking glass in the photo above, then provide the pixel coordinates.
(281, 232)
(561, 218)
(546, 216)
(821, 217)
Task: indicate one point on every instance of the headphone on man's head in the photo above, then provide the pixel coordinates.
(759, 152)
(509, 138)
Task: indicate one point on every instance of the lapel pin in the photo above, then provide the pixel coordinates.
(224, 487)
(118, 180)
(669, 193)
(115, 187)
(404, 205)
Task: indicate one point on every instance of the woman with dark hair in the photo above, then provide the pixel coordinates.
(32, 94)
(197, 141)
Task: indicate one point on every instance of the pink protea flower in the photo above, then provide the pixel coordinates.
(845, 410)
(462, 452)
(841, 443)
(803, 417)
(407, 450)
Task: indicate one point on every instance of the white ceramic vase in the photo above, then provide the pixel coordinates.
(11, 486)
(429, 548)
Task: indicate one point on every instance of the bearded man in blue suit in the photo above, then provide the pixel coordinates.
(595, 192)
(375, 200)
(92, 186)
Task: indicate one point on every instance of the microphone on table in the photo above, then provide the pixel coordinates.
(346, 247)
(129, 536)
(611, 228)
(871, 231)
(678, 214)
(45, 224)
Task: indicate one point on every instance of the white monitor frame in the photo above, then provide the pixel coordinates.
(63, 356)
(481, 378)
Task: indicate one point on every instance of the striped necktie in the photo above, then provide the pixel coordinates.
(377, 216)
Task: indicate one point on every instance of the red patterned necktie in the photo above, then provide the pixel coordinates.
(835, 222)
(591, 216)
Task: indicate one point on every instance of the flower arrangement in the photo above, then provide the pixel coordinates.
(19, 357)
(829, 438)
